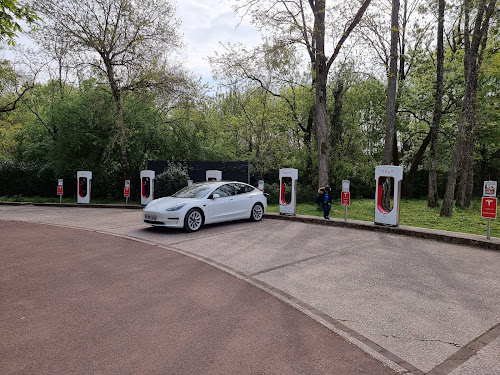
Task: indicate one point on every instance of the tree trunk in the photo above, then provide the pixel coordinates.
(432, 194)
(402, 56)
(337, 112)
(390, 131)
(320, 110)
(467, 176)
(120, 123)
(472, 63)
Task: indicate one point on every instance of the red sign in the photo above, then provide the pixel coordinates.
(126, 192)
(59, 190)
(346, 198)
(489, 207)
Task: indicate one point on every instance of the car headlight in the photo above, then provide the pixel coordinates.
(176, 208)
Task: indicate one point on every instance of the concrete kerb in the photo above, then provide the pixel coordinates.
(425, 233)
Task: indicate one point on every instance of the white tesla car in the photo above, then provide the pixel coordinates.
(206, 203)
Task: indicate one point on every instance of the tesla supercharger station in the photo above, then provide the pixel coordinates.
(83, 179)
(147, 186)
(288, 190)
(214, 175)
(388, 180)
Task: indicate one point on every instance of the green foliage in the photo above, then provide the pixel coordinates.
(360, 144)
(174, 178)
(10, 13)
(25, 178)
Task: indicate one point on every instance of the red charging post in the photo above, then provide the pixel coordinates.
(346, 196)
(126, 191)
(60, 189)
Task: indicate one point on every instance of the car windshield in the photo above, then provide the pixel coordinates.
(194, 191)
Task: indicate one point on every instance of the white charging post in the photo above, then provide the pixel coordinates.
(60, 189)
(126, 191)
(213, 175)
(346, 196)
(260, 185)
(489, 203)
(83, 182)
(388, 181)
(147, 186)
(288, 191)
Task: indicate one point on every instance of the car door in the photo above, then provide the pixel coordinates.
(243, 201)
(221, 206)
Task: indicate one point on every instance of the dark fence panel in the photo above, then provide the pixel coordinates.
(231, 170)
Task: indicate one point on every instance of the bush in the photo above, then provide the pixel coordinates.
(27, 179)
(173, 178)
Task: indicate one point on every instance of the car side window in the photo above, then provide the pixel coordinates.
(239, 188)
(248, 189)
(225, 190)
(242, 188)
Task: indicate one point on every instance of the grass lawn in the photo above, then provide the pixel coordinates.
(414, 213)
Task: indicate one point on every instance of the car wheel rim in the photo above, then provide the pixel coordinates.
(194, 220)
(257, 212)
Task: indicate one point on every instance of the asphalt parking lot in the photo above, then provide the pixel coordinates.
(414, 305)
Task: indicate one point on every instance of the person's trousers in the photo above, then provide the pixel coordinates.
(326, 209)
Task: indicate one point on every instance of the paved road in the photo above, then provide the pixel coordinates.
(417, 306)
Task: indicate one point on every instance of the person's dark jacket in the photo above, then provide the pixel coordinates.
(321, 196)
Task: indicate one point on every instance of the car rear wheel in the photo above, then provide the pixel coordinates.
(257, 212)
(193, 220)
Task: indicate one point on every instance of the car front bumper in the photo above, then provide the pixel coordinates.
(163, 219)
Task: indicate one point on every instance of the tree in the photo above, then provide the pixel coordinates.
(123, 41)
(11, 12)
(474, 49)
(392, 87)
(432, 196)
(293, 23)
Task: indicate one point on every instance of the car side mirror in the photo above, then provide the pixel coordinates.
(214, 196)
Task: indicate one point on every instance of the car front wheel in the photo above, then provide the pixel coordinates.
(193, 220)
(257, 212)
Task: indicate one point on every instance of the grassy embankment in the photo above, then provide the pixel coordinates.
(414, 213)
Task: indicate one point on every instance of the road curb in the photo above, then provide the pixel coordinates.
(425, 233)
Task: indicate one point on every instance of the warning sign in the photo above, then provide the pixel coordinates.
(346, 198)
(489, 208)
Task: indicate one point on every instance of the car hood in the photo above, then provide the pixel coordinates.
(167, 202)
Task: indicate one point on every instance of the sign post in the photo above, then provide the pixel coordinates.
(126, 191)
(60, 189)
(489, 204)
(346, 196)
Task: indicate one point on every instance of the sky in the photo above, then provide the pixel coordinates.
(206, 24)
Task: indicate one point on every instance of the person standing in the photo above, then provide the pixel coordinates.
(325, 198)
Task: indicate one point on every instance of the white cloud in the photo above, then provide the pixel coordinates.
(206, 24)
